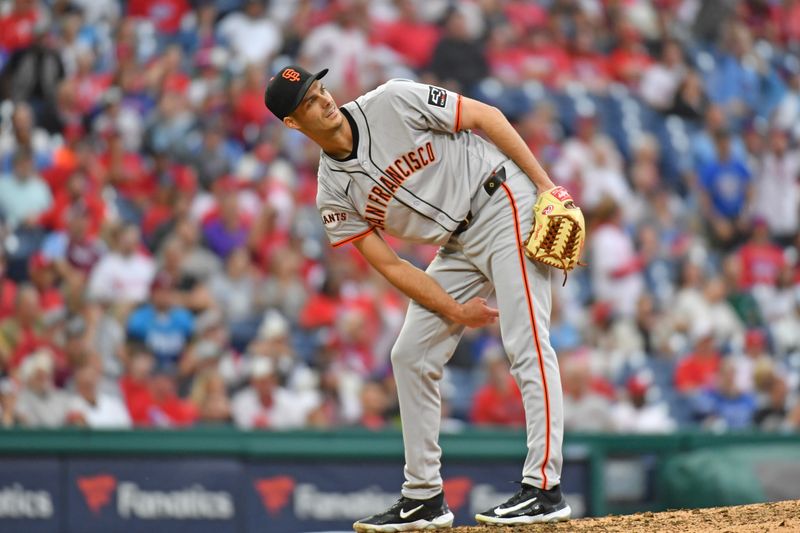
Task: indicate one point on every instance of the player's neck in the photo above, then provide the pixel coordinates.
(338, 143)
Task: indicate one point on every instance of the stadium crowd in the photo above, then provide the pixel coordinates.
(163, 263)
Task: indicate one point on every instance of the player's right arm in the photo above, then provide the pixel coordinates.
(420, 287)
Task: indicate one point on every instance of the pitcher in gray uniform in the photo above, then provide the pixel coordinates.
(401, 160)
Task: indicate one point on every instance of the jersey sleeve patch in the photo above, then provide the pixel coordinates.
(332, 219)
(437, 96)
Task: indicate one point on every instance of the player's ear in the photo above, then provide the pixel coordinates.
(291, 122)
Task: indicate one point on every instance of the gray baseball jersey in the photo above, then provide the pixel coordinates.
(414, 175)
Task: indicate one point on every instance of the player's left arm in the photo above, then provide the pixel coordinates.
(490, 120)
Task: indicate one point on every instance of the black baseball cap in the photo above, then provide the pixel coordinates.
(287, 88)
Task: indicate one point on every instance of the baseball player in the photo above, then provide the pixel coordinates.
(401, 160)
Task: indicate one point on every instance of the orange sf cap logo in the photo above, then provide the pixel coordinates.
(291, 74)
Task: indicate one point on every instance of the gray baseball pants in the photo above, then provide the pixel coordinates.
(486, 257)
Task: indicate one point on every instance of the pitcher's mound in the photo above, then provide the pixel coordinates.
(778, 517)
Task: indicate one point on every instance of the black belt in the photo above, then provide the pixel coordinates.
(491, 185)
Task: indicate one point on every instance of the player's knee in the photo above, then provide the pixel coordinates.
(402, 355)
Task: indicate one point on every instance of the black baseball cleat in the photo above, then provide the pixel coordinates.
(409, 515)
(528, 506)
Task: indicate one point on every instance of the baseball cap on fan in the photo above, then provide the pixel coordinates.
(287, 88)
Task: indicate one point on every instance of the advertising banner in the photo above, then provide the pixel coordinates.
(198, 495)
(30, 496)
(302, 497)
(145, 496)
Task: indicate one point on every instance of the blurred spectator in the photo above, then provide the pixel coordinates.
(602, 179)
(787, 113)
(23, 332)
(725, 324)
(40, 403)
(199, 32)
(588, 66)
(266, 405)
(458, 61)
(725, 406)
(125, 170)
(249, 112)
(74, 36)
(91, 408)
(100, 11)
(341, 45)
(324, 305)
(777, 187)
(615, 265)
(106, 337)
(19, 25)
(408, 35)
(745, 363)
(284, 289)
(166, 407)
(735, 81)
(761, 260)
(772, 415)
(124, 274)
(354, 340)
(171, 200)
(135, 383)
(166, 15)
(90, 85)
(211, 350)
(236, 290)
(251, 34)
(661, 81)
(79, 200)
(190, 291)
(74, 251)
(373, 406)
(199, 262)
(209, 395)
(544, 59)
(725, 194)
(33, 71)
(629, 60)
(504, 54)
(226, 228)
(168, 127)
(734, 307)
(778, 302)
(639, 411)
(584, 409)
(215, 156)
(578, 153)
(23, 133)
(498, 402)
(699, 369)
(8, 290)
(23, 195)
(274, 341)
(704, 141)
(161, 325)
(151, 395)
(8, 402)
(267, 238)
(690, 100)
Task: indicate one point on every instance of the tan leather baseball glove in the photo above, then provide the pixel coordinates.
(558, 231)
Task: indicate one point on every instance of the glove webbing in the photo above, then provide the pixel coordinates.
(570, 241)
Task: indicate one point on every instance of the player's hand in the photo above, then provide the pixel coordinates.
(476, 313)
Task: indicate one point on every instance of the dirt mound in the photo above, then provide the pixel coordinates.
(778, 517)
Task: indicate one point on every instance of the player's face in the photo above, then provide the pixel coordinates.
(317, 111)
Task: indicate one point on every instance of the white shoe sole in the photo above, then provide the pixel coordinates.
(561, 515)
(443, 522)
